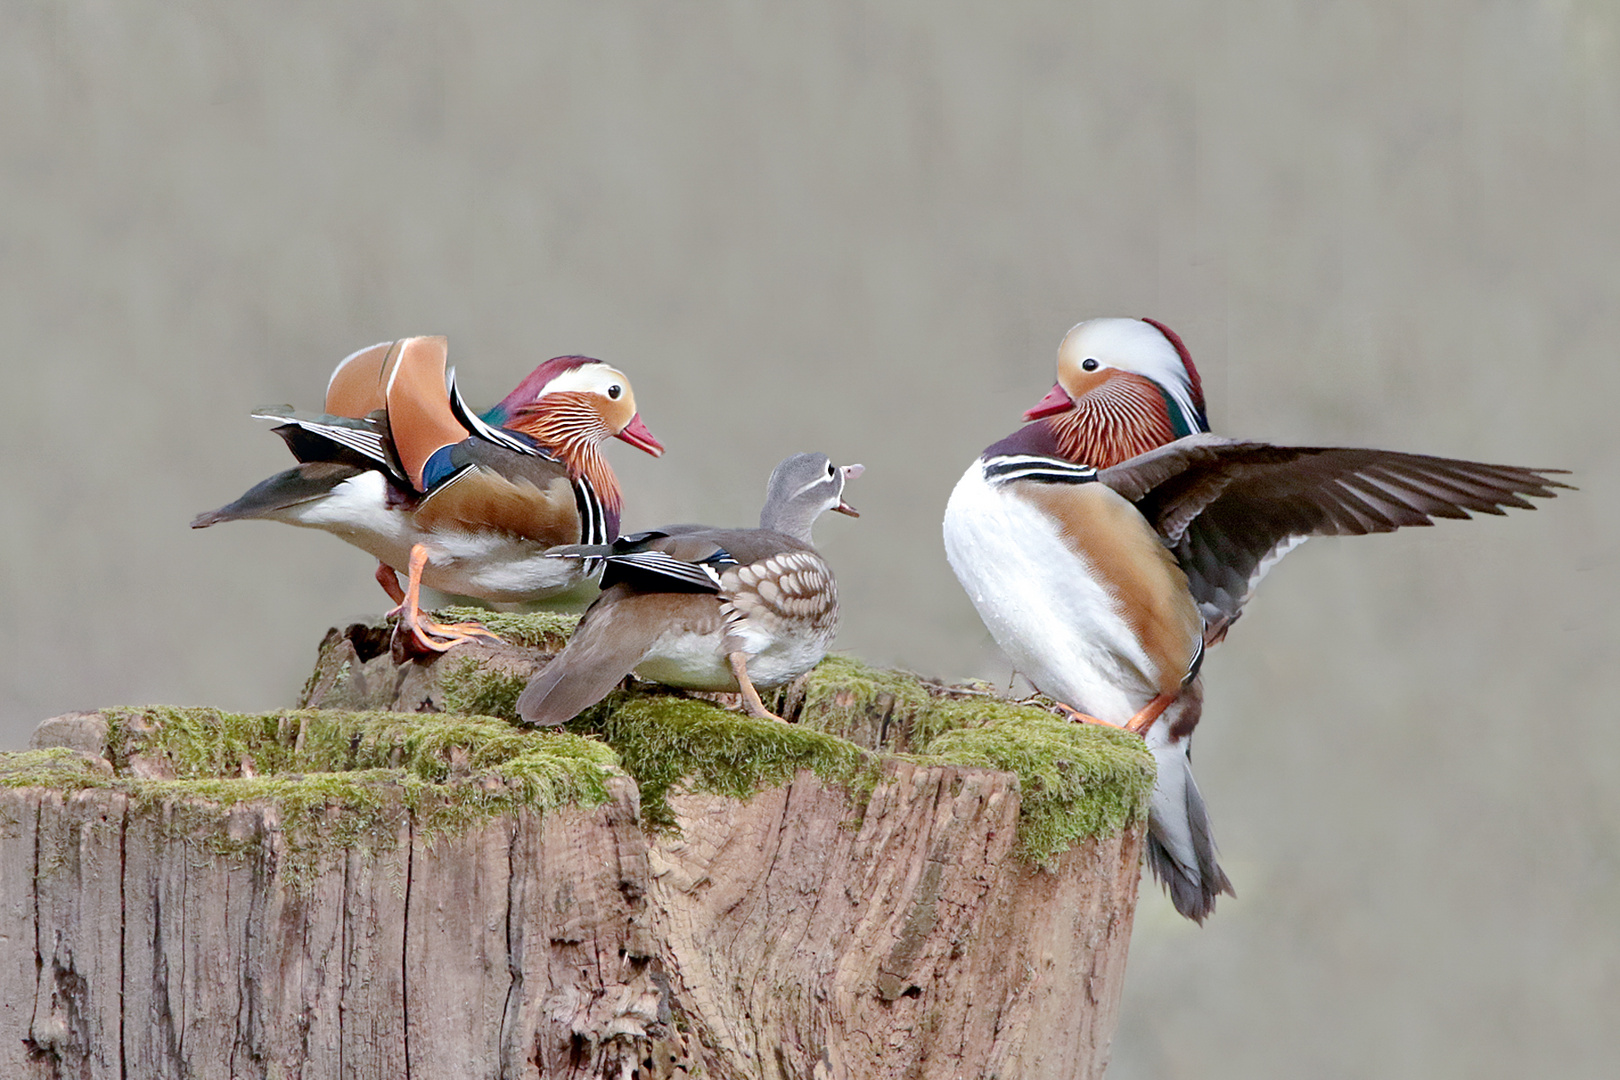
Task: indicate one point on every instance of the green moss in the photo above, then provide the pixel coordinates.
(478, 689)
(536, 629)
(1075, 780)
(348, 780)
(842, 694)
(336, 780)
(56, 767)
(667, 742)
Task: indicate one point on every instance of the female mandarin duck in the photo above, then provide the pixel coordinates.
(1108, 542)
(707, 609)
(400, 467)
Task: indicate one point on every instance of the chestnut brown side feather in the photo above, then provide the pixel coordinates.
(419, 414)
(1126, 557)
(481, 500)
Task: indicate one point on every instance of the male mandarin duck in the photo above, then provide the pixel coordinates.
(401, 468)
(704, 608)
(1110, 540)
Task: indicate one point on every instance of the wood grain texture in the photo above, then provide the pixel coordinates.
(516, 950)
(772, 937)
(915, 944)
(809, 930)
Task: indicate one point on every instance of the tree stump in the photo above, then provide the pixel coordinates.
(909, 881)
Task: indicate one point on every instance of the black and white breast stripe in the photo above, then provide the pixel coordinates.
(592, 520)
(1010, 468)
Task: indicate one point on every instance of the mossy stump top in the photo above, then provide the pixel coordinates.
(945, 845)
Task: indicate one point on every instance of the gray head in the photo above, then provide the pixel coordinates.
(801, 489)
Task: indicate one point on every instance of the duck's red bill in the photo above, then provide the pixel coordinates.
(636, 434)
(1056, 401)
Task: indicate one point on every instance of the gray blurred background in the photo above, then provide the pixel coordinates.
(863, 228)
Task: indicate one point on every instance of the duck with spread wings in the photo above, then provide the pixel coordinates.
(1112, 539)
(399, 466)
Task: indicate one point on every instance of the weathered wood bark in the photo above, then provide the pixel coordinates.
(517, 950)
(809, 930)
(914, 946)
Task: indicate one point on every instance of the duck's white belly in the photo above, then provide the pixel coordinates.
(1042, 603)
(689, 660)
(357, 510)
(496, 566)
(698, 661)
(492, 566)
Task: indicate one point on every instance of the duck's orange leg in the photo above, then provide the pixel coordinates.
(1084, 718)
(389, 580)
(423, 633)
(1144, 719)
(1137, 724)
(751, 701)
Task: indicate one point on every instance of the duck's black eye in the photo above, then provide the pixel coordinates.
(615, 391)
(830, 470)
(1089, 364)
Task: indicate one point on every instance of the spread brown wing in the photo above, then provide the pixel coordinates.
(420, 419)
(359, 384)
(1229, 510)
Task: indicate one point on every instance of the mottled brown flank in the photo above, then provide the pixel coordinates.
(571, 423)
(1116, 416)
(357, 386)
(1127, 558)
(795, 587)
(482, 500)
(419, 416)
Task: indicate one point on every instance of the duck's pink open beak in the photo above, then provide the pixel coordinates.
(636, 434)
(1056, 401)
(850, 472)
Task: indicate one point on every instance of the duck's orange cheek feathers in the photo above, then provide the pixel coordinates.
(1122, 415)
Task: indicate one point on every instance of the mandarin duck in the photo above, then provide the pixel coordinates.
(704, 608)
(1110, 540)
(399, 466)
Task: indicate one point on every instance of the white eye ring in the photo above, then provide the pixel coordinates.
(1089, 364)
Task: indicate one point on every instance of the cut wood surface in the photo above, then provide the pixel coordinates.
(665, 890)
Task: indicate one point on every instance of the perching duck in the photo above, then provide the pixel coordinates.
(704, 608)
(1108, 543)
(401, 468)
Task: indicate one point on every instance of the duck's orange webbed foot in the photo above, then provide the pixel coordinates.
(426, 636)
(421, 635)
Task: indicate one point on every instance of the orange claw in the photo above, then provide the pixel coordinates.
(423, 634)
(1085, 718)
